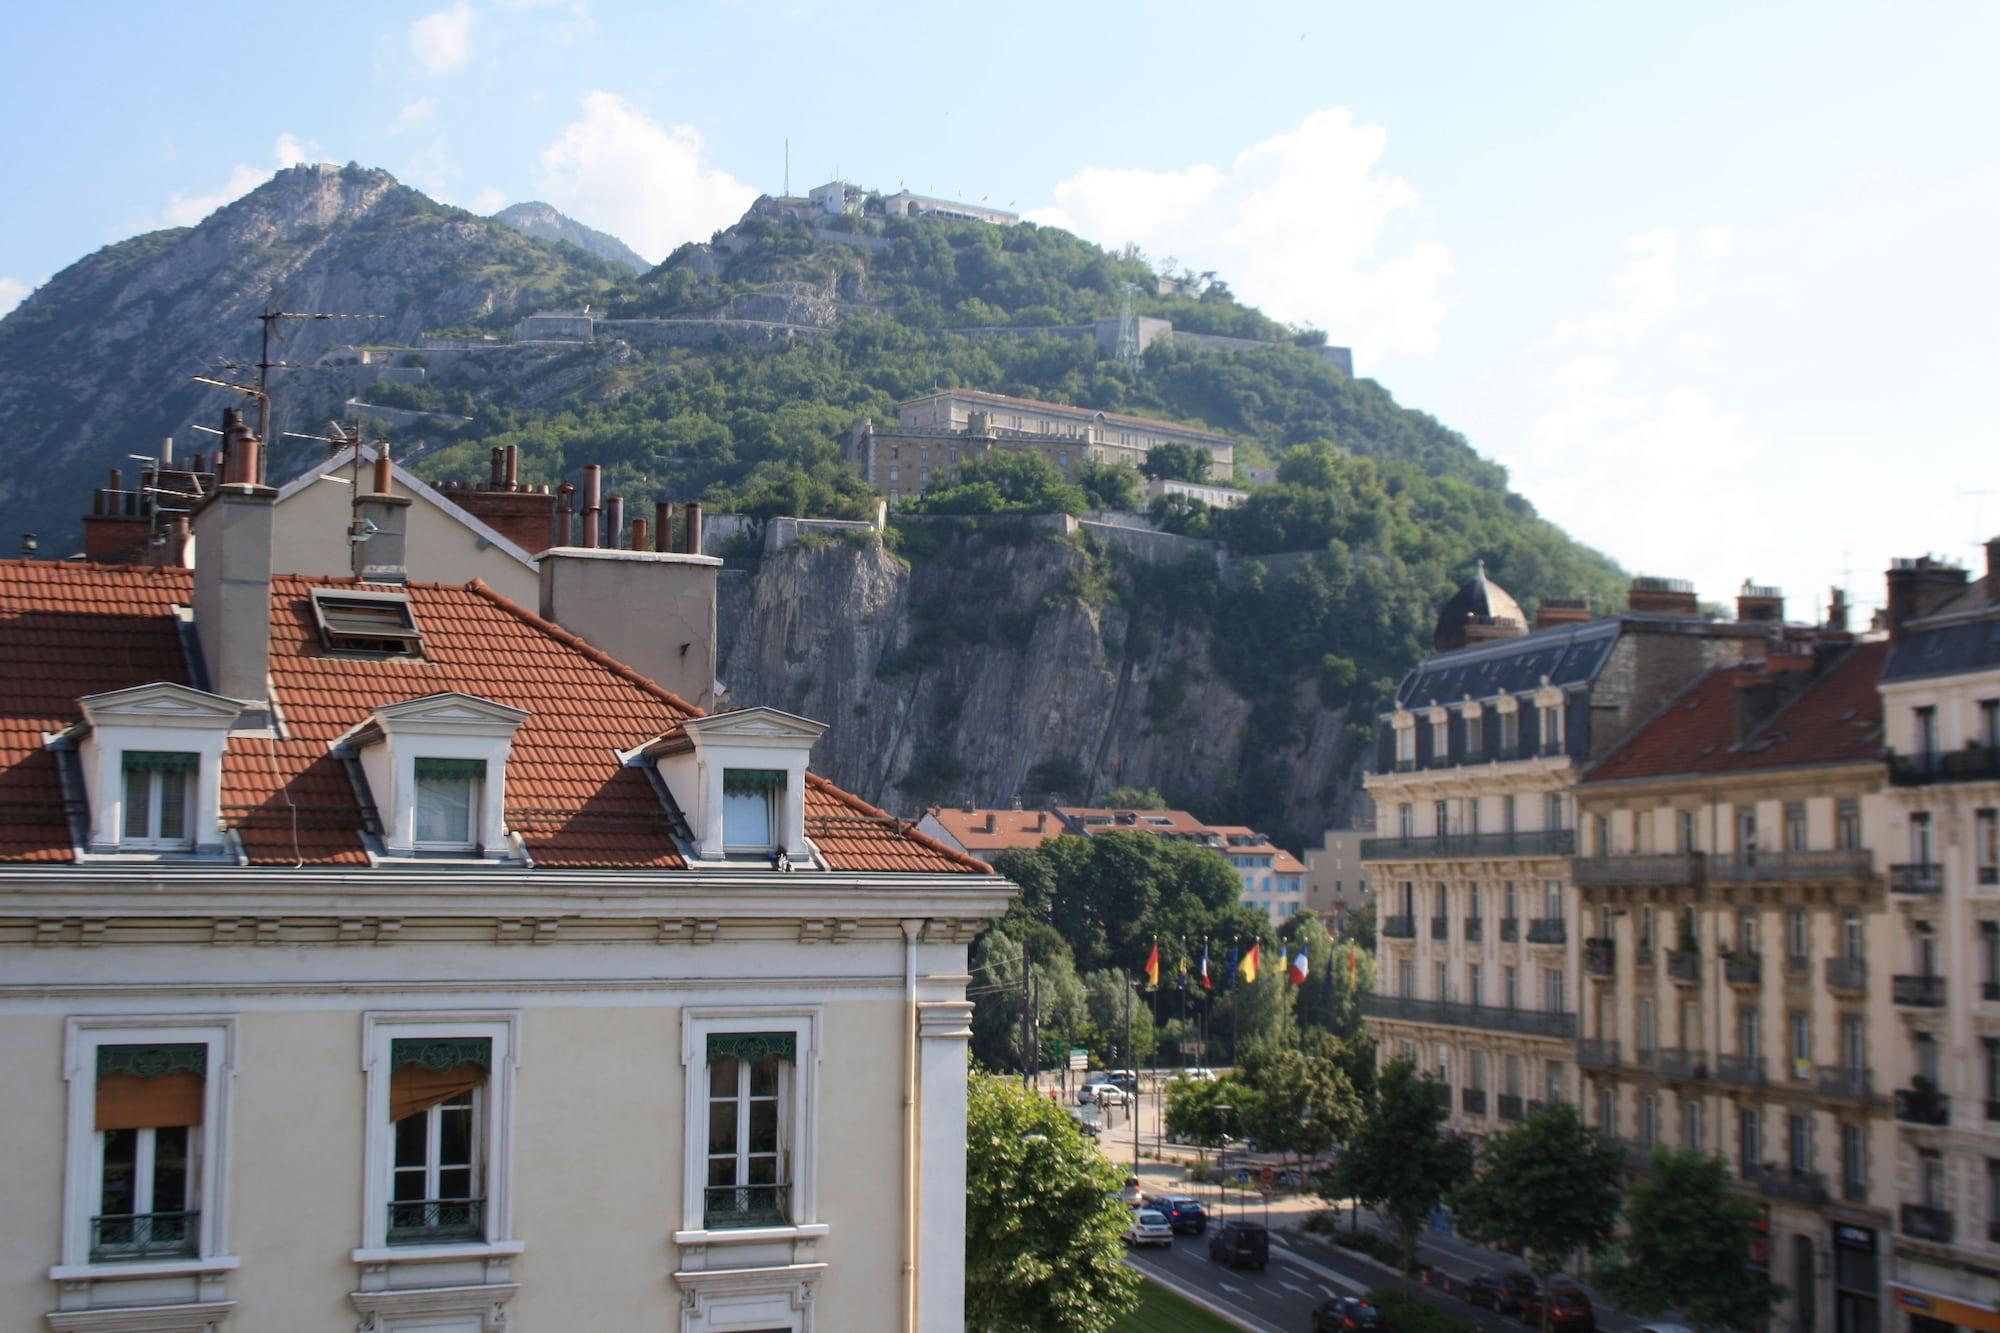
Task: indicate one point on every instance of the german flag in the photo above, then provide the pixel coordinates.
(1247, 969)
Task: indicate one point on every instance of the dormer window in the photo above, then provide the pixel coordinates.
(753, 800)
(448, 798)
(158, 796)
(436, 769)
(740, 778)
(367, 624)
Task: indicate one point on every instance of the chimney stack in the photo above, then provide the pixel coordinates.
(593, 504)
(180, 543)
(663, 526)
(1562, 611)
(232, 579)
(614, 523)
(1662, 597)
(691, 538)
(565, 514)
(1993, 569)
(654, 611)
(638, 534)
(1917, 586)
(380, 536)
(1761, 604)
(1836, 610)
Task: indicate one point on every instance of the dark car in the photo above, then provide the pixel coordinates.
(1568, 1309)
(1241, 1245)
(1186, 1216)
(1345, 1312)
(1502, 1291)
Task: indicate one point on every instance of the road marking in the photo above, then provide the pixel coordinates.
(1229, 1287)
(1293, 1286)
(1346, 1283)
(1187, 1293)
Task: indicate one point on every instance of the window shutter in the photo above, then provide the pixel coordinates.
(424, 1072)
(151, 1087)
(750, 1047)
(160, 761)
(450, 769)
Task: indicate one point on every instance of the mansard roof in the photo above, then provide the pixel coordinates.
(1564, 656)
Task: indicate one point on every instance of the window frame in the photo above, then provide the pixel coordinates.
(494, 1128)
(475, 803)
(153, 840)
(799, 1118)
(83, 1162)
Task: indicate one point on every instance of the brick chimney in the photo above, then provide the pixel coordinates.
(1836, 610)
(524, 515)
(1562, 611)
(1662, 597)
(1761, 604)
(117, 529)
(1993, 569)
(381, 522)
(232, 575)
(1917, 586)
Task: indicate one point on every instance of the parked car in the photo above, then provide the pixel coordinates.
(1197, 1074)
(1132, 1195)
(1501, 1291)
(1123, 1078)
(1149, 1227)
(1101, 1094)
(1345, 1312)
(1185, 1215)
(1241, 1245)
(1569, 1308)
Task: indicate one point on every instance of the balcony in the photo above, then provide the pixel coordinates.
(1666, 871)
(121, 1237)
(1975, 763)
(1921, 879)
(1510, 929)
(1643, 956)
(1600, 958)
(1923, 991)
(1789, 1184)
(1490, 1018)
(1638, 1159)
(1742, 968)
(1440, 928)
(1474, 927)
(1846, 866)
(1597, 1053)
(732, 1206)
(1510, 1107)
(1682, 1066)
(1844, 1085)
(1922, 1222)
(1472, 1100)
(1684, 965)
(1798, 967)
(1440, 1093)
(1850, 974)
(1922, 1106)
(1399, 927)
(1461, 846)
(1746, 1071)
(430, 1221)
(1547, 930)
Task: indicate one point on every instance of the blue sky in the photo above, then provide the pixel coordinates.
(1717, 283)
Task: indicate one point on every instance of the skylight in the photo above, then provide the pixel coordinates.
(369, 624)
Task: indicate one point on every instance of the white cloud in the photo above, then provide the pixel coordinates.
(442, 42)
(488, 201)
(649, 184)
(184, 208)
(413, 115)
(1299, 224)
(12, 292)
(291, 150)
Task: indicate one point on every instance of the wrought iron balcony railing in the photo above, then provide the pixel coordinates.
(1924, 990)
(1919, 879)
(1792, 1186)
(1743, 968)
(1399, 927)
(1441, 1094)
(1846, 865)
(1922, 1222)
(1975, 763)
(1511, 1108)
(1472, 1100)
(730, 1206)
(1457, 846)
(1490, 1018)
(1600, 957)
(1922, 1106)
(122, 1236)
(1681, 1066)
(1844, 1085)
(1548, 930)
(1743, 1070)
(1684, 965)
(1440, 927)
(1510, 929)
(1663, 870)
(424, 1221)
(1847, 974)
(1597, 1053)
(1474, 927)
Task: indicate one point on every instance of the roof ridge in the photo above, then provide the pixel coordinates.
(1633, 735)
(1816, 679)
(582, 645)
(906, 828)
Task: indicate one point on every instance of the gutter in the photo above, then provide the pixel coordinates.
(911, 927)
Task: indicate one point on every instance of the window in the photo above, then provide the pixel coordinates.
(1800, 1024)
(1440, 817)
(448, 792)
(1986, 845)
(1476, 1070)
(1440, 738)
(1749, 1140)
(1406, 821)
(1850, 934)
(1607, 1112)
(1647, 1027)
(1440, 981)
(1847, 825)
(1746, 831)
(1508, 815)
(1798, 1143)
(747, 1180)
(1552, 729)
(1746, 929)
(1853, 1043)
(1989, 723)
(1552, 989)
(1691, 1126)
(1922, 848)
(1553, 813)
(147, 1148)
(369, 624)
(1510, 980)
(1690, 831)
(1472, 901)
(1989, 957)
(749, 800)
(1795, 826)
(1930, 1177)
(1552, 1081)
(1642, 832)
(1473, 990)
(1513, 1076)
(1513, 904)
(1926, 731)
(1748, 1031)
(1472, 815)
(1600, 836)
(1649, 1119)
(1510, 732)
(158, 784)
(1406, 745)
(1927, 1058)
(1798, 943)
(1475, 735)
(1645, 929)
(1853, 1161)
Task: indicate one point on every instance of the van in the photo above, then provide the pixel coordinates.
(1241, 1245)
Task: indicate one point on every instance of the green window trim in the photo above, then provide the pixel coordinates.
(160, 761)
(750, 781)
(441, 1053)
(451, 769)
(750, 1047)
(181, 1057)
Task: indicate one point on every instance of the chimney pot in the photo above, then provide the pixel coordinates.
(614, 524)
(565, 514)
(117, 479)
(495, 466)
(167, 452)
(663, 526)
(513, 467)
(29, 544)
(384, 471)
(691, 539)
(638, 534)
(593, 504)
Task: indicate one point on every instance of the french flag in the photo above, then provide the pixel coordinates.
(1297, 971)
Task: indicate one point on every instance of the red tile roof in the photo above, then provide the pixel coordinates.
(1836, 719)
(1012, 829)
(70, 629)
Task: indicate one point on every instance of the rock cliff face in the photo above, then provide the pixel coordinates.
(987, 677)
(544, 223)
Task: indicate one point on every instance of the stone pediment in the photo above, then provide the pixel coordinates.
(449, 709)
(161, 704)
(755, 725)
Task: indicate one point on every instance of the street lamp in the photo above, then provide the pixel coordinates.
(1222, 1159)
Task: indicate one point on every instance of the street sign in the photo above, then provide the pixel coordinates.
(1269, 1175)
(1079, 1060)
(1243, 1177)
(1265, 1189)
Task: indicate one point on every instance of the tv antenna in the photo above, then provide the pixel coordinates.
(265, 365)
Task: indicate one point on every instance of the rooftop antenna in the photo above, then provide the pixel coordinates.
(265, 364)
(1980, 534)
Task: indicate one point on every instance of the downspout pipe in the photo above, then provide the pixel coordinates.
(912, 928)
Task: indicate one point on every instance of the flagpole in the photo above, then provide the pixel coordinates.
(1159, 1098)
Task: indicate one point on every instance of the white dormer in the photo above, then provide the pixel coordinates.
(152, 767)
(740, 778)
(437, 768)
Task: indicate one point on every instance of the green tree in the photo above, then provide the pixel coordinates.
(1209, 1112)
(1305, 1103)
(1401, 1161)
(1687, 1236)
(1109, 485)
(1118, 1008)
(1549, 1186)
(1043, 1223)
(1004, 483)
(1177, 462)
(998, 957)
(1132, 798)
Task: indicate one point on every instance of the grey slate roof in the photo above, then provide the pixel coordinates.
(1567, 655)
(1947, 645)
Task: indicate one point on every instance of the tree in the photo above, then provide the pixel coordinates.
(1177, 462)
(1549, 1186)
(1401, 1161)
(1043, 1223)
(996, 968)
(1111, 486)
(1304, 1106)
(1196, 1114)
(1133, 798)
(1004, 483)
(1116, 1010)
(1685, 1244)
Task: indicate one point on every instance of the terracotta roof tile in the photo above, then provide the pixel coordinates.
(1012, 829)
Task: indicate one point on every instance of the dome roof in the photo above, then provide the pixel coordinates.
(1480, 609)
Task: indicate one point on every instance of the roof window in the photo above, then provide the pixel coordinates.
(367, 624)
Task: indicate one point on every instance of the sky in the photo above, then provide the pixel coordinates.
(1716, 283)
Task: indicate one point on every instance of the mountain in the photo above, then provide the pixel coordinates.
(544, 223)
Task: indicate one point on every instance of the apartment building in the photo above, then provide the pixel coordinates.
(1336, 877)
(1941, 967)
(375, 953)
(1730, 876)
(1479, 940)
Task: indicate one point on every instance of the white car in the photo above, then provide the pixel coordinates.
(1103, 1094)
(1196, 1075)
(1149, 1227)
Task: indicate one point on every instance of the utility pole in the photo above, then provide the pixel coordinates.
(1024, 1017)
(1135, 1075)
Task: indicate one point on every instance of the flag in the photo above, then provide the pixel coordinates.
(1207, 982)
(1185, 966)
(1153, 967)
(1298, 968)
(1353, 967)
(1248, 967)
